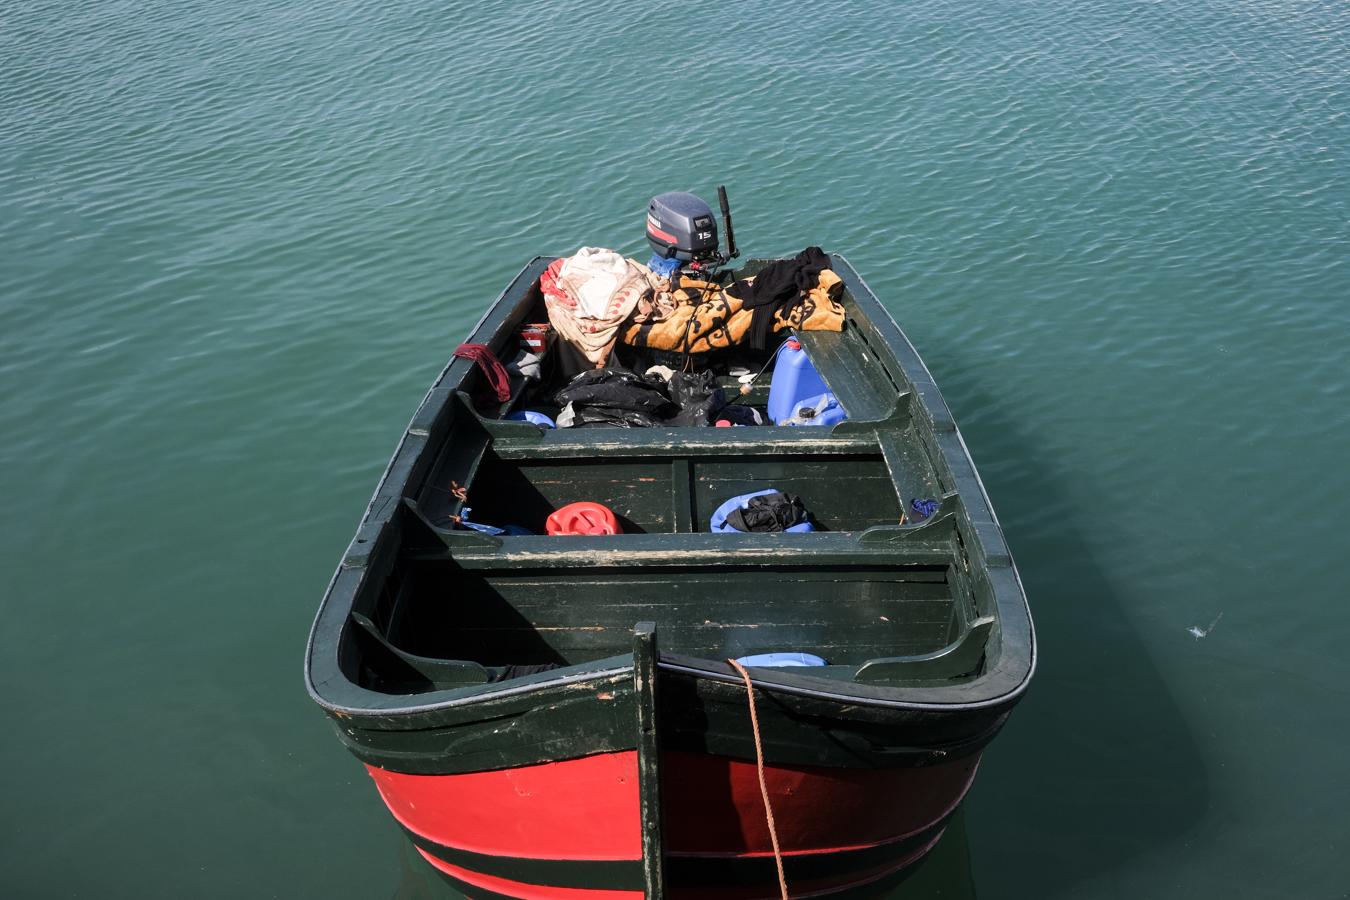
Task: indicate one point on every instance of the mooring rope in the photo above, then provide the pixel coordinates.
(763, 786)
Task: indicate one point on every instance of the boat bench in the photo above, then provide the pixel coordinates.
(850, 613)
(670, 480)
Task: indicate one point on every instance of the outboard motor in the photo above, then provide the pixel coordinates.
(681, 227)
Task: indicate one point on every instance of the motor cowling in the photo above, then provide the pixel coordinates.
(681, 226)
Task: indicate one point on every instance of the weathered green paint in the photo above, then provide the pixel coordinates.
(649, 757)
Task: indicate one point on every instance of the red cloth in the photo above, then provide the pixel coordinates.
(492, 368)
(548, 283)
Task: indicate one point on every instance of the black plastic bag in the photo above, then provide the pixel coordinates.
(596, 416)
(615, 397)
(698, 397)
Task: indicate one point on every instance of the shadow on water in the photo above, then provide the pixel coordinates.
(944, 872)
(417, 879)
(1097, 764)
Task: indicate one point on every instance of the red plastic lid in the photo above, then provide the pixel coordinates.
(582, 518)
(723, 423)
(794, 344)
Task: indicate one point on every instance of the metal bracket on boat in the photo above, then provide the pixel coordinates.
(958, 658)
(942, 520)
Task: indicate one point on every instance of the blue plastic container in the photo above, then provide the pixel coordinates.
(534, 418)
(823, 409)
(719, 517)
(782, 659)
(794, 380)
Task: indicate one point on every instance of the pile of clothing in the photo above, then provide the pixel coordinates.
(598, 297)
(772, 512)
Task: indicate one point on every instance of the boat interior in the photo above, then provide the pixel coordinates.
(882, 592)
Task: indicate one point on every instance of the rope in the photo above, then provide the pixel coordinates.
(492, 368)
(763, 787)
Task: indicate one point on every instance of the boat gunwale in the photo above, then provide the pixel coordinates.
(1002, 684)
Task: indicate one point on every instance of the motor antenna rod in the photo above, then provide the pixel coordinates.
(732, 252)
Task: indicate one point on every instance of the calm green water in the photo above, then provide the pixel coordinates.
(237, 240)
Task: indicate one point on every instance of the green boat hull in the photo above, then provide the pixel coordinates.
(923, 621)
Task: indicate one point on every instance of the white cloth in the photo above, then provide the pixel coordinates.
(665, 373)
(590, 294)
(597, 274)
(525, 363)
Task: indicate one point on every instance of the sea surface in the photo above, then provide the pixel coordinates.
(238, 240)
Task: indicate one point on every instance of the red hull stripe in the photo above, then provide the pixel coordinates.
(574, 824)
(685, 871)
(577, 809)
(712, 804)
(623, 875)
(483, 887)
(872, 879)
(518, 889)
(825, 867)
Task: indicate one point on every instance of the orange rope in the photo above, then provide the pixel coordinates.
(763, 787)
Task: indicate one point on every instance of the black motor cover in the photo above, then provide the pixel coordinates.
(680, 225)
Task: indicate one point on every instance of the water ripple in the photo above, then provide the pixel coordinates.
(237, 240)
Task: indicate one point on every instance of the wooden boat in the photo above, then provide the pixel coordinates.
(630, 767)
